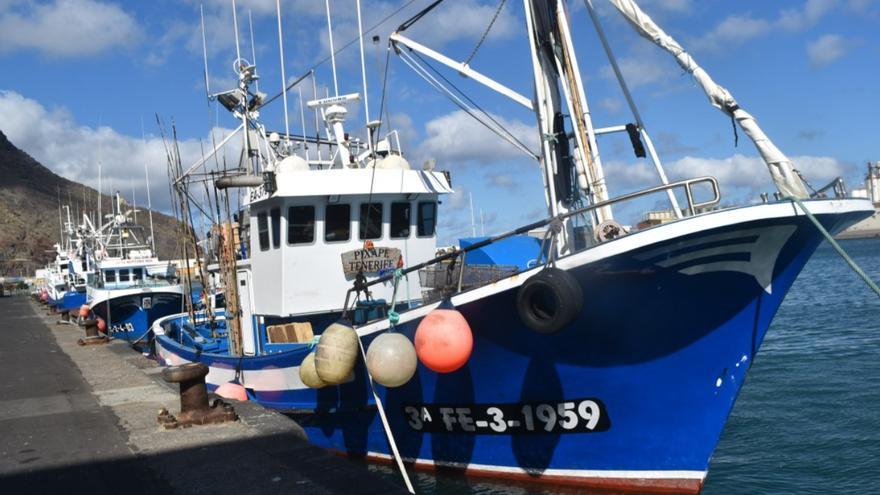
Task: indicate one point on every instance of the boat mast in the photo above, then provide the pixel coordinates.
(149, 199)
(332, 51)
(284, 78)
(558, 80)
(547, 112)
(364, 73)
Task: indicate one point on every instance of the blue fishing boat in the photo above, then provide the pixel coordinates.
(130, 288)
(596, 355)
(65, 278)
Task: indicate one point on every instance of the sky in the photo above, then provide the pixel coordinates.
(85, 81)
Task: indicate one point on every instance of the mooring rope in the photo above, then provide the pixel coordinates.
(846, 257)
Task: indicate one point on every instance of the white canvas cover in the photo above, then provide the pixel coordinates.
(781, 168)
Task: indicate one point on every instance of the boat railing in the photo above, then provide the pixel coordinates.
(692, 208)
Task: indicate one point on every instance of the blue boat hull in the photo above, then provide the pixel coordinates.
(71, 301)
(130, 316)
(633, 394)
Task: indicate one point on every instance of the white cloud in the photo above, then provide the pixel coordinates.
(741, 28)
(613, 105)
(645, 65)
(73, 151)
(678, 6)
(503, 181)
(826, 49)
(740, 177)
(808, 16)
(66, 28)
(456, 138)
(465, 19)
(734, 30)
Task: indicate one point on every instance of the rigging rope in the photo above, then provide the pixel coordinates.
(500, 130)
(474, 104)
(485, 33)
(343, 47)
(852, 264)
(412, 20)
(374, 140)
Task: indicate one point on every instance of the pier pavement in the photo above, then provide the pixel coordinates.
(83, 420)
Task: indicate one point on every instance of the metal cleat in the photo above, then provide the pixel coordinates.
(194, 406)
(92, 337)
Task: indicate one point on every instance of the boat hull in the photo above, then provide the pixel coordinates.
(70, 301)
(632, 395)
(129, 313)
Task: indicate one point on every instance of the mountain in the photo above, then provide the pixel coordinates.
(29, 227)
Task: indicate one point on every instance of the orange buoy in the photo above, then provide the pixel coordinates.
(232, 390)
(102, 325)
(44, 296)
(444, 340)
(84, 310)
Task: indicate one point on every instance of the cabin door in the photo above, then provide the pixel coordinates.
(246, 299)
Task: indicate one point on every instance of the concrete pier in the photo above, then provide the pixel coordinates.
(83, 420)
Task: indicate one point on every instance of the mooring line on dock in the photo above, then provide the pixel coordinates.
(846, 257)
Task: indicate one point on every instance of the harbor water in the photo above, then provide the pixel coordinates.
(808, 418)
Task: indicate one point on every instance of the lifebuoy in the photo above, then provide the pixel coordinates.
(549, 301)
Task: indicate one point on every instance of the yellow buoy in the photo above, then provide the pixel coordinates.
(308, 374)
(391, 359)
(336, 353)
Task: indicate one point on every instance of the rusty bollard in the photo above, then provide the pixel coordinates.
(65, 318)
(194, 407)
(92, 337)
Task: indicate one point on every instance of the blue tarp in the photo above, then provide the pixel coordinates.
(518, 250)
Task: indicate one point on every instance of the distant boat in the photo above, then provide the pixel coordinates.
(65, 277)
(869, 227)
(131, 288)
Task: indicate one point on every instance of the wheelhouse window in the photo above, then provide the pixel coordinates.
(300, 224)
(371, 221)
(275, 214)
(400, 220)
(123, 275)
(110, 276)
(263, 231)
(337, 223)
(427, 219)
(137, 274)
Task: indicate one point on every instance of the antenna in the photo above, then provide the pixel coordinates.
(363, 69)
(253, 48)
(60, 220)
(100, 188)
(473, 223)
(332, 51)
(302, 116)
(246, 151)
(204, 55)
(149, 201)
(283, 76)
(134, 203)
(235, 23)
(317, 119)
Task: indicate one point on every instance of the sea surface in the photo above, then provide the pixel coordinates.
(808, 418)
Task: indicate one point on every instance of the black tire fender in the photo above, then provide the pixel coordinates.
(549, 301)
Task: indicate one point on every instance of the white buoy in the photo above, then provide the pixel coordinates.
(391, 359)
(308, 374)
(336, 353)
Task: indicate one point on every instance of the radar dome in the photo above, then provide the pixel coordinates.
(393, 162)
(291, 163)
